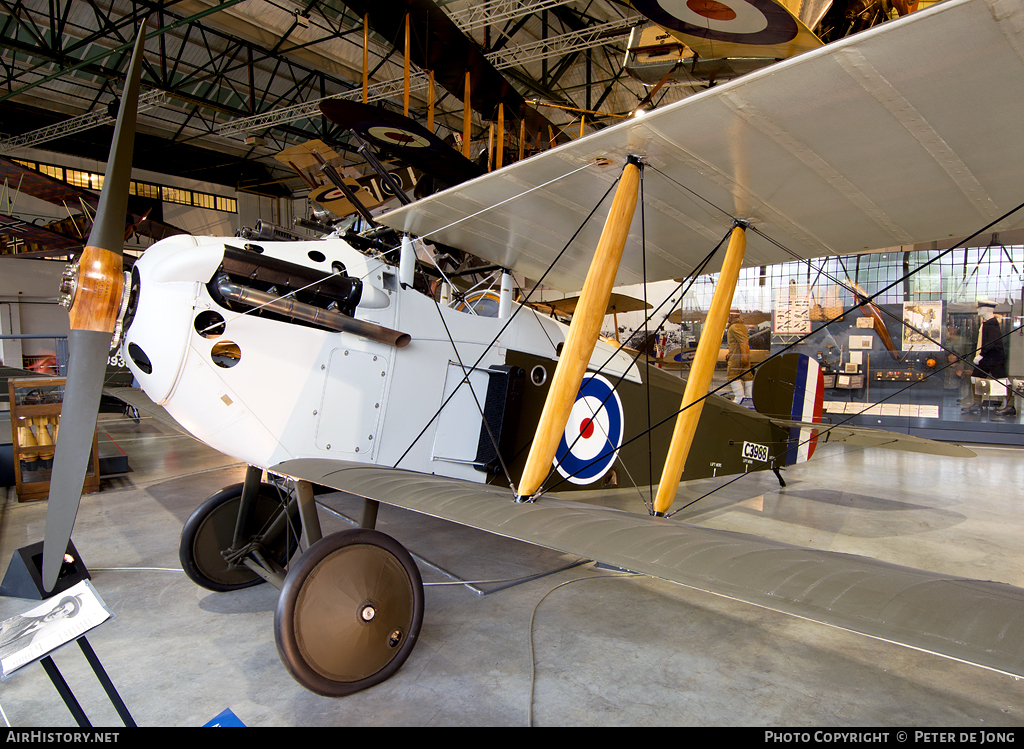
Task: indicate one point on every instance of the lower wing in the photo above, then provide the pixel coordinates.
(973, 621)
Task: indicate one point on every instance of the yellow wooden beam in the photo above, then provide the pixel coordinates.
(405, 92)
(431, 96)
(500, 160)
(467, 119)
(701, 370)
(583, 333)
(490, 146)
(366, 57)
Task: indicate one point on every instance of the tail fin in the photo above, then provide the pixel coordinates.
(791, 387)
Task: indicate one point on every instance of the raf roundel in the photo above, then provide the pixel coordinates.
(737, 21)
(396, 136)
(593, 434)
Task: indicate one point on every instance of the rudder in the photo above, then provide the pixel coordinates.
(791, 387)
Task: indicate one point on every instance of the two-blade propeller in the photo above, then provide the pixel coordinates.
(92, 289)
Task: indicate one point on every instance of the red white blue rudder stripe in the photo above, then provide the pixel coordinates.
(791, 387)
(808, 398)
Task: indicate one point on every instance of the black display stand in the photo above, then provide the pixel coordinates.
(68, 696)
(24, 577)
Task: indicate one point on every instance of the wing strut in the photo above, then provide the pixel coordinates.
(700, 371)
(583, 333)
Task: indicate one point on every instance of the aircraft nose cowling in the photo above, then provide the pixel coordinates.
(166, 280)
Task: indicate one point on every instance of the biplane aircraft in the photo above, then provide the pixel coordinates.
(67, 235)
(326, 364)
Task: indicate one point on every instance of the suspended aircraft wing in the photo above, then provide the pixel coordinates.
(871, 142)
(21, 178)
(968, 620)
(734, 28)
(43, 186)
(403, 138)
(18, 230)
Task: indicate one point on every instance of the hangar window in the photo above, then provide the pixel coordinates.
(57, 172)
(145, 190)
(94, 181)
(174, 195)
(89, 180)
(204, 200)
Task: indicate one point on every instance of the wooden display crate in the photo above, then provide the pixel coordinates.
(35, 418)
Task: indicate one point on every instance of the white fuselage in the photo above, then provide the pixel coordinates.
(293, 391)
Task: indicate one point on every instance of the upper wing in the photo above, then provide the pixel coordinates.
(969, 620)
(881, 139)
(52, 190)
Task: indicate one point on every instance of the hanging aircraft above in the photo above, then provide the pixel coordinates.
(764, 29)
(369, 191)
(704, 42)
(389, 396)
(65, 235)
(438, 45)
(403, 138)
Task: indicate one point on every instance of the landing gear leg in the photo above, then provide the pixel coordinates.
(369, 519)
(238, 521)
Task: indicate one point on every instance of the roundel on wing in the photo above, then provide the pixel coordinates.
(737, 21)
(593, 434)
(397, 136)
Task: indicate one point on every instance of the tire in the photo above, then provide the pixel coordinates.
(349, 613)
(210, 529)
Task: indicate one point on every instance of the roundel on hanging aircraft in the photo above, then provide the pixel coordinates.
(396, 136)
(593, 434)
(334, 194)
(761, 22)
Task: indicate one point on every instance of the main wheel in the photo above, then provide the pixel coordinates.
(211, 528)
(349, 613)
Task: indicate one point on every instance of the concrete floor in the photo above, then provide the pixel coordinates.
(608, 650)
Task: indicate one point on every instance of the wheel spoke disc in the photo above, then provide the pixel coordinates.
(349, 611)
(215, 535)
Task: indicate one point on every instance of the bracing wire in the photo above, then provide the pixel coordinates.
(511, 317)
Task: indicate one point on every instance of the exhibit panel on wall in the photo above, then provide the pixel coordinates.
(897, 334)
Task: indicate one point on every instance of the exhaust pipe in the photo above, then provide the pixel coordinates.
(309, 313)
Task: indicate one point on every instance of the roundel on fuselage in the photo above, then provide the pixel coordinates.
(593, 434)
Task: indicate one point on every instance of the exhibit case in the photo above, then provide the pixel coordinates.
(35, 420)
